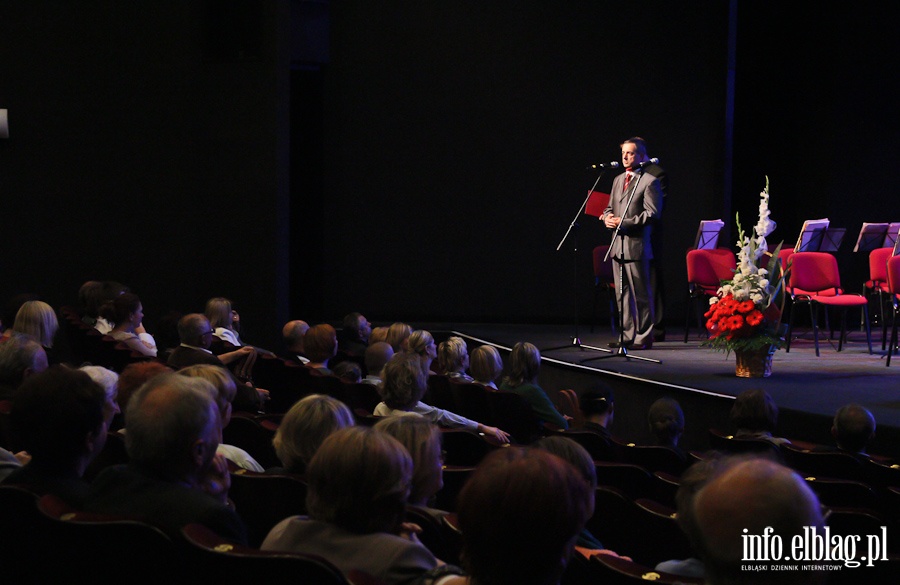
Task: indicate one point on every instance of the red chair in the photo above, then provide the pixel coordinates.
(604, 280)
(815, 279)
(706, 269)
(893, 277)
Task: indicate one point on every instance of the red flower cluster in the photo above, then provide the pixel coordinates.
(733, 319)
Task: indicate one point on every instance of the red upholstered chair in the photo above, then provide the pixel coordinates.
(605, 282)
(877, 285)
(815, 279)
(893, 277)
(706, 269)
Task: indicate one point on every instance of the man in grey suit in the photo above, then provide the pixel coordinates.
(633, 245)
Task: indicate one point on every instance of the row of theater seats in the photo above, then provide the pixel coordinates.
(43, 540)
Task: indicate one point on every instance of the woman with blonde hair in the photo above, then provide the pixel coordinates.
(421, 343)
(304, 427)
(225, 390)
(486, 365)
(453, 357)
(524, 367)
(403, 388)
(37, 320)
(423, 441)
(398, 336)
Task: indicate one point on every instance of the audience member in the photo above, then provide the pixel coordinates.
(354, 334)
(9, 462)
(573, 453)
(133, 377)
(853, 429)
(11, 309)
(226, 325)
(20, 357)
(689, 483)
(377, 355)
(292, 335)
(666, 421)
(750, 497)
(754, 415)
(378, 334)
(321, 345)
(422, 440)
(486, 365)
(421, 343)
(109, 290)
(453, 357)
(90, 299)
(398, 336)
(304, 427)
(174, 476)
(109, 381)
(524, 367)
(37, 320)
(404, 386)
(195, 334)
(225, 391)
(516, 529)
(61, 416)
(359, 481)
(348, 371)
(127, 312)
(598, 407)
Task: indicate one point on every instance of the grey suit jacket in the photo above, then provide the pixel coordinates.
(644, 211)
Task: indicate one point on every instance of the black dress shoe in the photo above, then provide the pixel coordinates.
(616, 344)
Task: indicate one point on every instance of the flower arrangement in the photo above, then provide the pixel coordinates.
(745, 314)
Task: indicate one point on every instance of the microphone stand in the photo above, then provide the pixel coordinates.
(576, 341)
(621, 261)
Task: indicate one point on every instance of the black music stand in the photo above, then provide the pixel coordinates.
(573, 228)
(891, 237)
(871, 236)
(708, 234)
(621, 261)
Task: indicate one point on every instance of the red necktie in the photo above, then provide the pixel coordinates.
(627, 181)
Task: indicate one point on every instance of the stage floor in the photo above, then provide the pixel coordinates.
(799, 381)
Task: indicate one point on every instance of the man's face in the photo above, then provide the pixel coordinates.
(630, 156)
(365, 328)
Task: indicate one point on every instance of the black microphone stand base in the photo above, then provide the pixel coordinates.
(622, 352)
(576, 343)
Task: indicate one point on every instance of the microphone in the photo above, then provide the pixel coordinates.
(611, 165)
(652, 161)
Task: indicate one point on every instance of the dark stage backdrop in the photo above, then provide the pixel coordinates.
(426, 163)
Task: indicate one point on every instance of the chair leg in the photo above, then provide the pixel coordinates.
(868, 328)
(843, 329)
(893, 340)
(812, 315)
(790, 331)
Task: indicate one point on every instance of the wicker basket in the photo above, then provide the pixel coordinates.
(754, 364)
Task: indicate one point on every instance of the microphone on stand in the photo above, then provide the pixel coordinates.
(611, 165)
(652, 161)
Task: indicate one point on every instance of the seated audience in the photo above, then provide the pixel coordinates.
(404, 386)
(20, 357)
(853, 428)
(747, 497)
(292, 334)
(423, 441)
(754, 415)
(37, 320)
(226, 324)
(109, 381)
(348, 371)
(10, 462)
(453, 357)
(225, 391)
(666, 421)
(61, 416)
(377, 355)
(378, 334)
(524, 367)
(354, 335)
(92, 295)
(174, 476)
(398, 336)
(421, 343)
(320, 343)
(573, 453)
(303, 428)
(133, 377)
(689, 483)
(598, 407)
(10, 309)
(127, 312)
(195, 334)
(486, 365)
(358, 487)
(516, 529)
